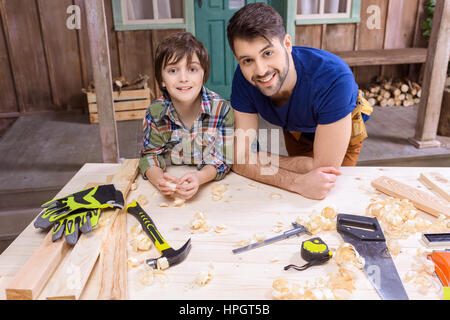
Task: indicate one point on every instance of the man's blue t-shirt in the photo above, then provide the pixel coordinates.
(325, 92)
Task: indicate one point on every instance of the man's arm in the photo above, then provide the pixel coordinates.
(314, 184)
(331, 143)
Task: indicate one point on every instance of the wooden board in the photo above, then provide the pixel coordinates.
(438, 183)
(423, 201)
(128, 104)
(384, 56)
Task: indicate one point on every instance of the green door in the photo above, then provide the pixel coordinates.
(211, 20)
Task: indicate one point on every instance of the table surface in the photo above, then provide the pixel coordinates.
(247, 208)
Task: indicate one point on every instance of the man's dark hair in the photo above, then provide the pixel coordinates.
(253, 21)
(174, 48)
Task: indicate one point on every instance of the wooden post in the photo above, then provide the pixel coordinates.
(98, 41)
(434, 78)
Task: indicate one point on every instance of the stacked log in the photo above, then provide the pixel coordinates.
(393, 92)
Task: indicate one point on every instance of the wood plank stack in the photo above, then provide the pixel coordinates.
(131, 99)
(393, 92)
(58, 271)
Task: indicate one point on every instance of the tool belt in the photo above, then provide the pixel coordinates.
(359, 132)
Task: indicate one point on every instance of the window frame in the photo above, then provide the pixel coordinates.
(121, 22)
(353, 16)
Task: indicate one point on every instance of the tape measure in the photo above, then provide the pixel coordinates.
(315, 251)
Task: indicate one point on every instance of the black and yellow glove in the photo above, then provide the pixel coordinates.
(99, 197)
(71, 224)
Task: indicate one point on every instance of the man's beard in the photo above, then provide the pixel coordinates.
(282, 75)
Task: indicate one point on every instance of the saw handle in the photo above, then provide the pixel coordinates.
(147, 225)
(361, 227)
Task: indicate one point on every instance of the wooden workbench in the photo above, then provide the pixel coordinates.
(247, 208)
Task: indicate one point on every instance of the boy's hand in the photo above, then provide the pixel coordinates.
(167, 185)
(188, 185)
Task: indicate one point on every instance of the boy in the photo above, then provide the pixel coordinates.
(190, 123)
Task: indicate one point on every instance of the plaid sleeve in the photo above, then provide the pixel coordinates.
(152, 155)
(220, 153)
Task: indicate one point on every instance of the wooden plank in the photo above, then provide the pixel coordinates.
(62, 55)
(434, 78)
(33, 276)
(99, 47)
(383, 56)
(8, 98)
(308, 36)
(71, 277)
(113, 262)
(421, 200)
(27, 55)
(122, 115)
(124, 106)
(123, 95)
(340, 37)
(438, 183)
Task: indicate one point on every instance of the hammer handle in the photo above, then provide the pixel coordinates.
(148, 225)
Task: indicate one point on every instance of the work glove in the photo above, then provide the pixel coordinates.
(71, 224)
(99, 197)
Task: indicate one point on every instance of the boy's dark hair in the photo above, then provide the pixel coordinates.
(174, 48)
(253, 21)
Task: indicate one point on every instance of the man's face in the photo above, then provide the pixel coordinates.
(264, 64)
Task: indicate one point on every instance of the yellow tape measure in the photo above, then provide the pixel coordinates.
(315, 251)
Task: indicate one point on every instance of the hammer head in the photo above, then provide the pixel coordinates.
(170, 257)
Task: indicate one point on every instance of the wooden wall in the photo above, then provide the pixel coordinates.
(399, 28)
(45, 65)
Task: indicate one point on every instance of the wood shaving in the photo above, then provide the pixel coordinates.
(252, 185)
(276, 196)
(132, 262)
(217, 191)
(133, 186)
(421, 274)
(142, 200)
(203, 278)
(259, 237)
(163, 204)
(318, 222)
(171, 185)
(393, 246)
(399, 218)
(274, 259)
(220, 228)
(347, 257)
(146, 278)
(162, 263)
(330, 287)
(178, 202)
(200, 223)
(143, 242)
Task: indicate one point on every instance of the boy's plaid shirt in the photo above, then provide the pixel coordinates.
(209, 141)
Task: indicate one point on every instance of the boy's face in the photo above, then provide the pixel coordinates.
(264, 64)
(183, 82)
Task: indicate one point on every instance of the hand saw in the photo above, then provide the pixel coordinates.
(365, 234)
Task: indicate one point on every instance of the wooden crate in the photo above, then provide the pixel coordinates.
(128, 104)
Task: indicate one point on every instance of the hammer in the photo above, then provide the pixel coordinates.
(169, 256)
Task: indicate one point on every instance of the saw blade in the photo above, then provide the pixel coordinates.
(379, 268)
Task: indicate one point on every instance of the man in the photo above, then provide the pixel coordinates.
(310, 93)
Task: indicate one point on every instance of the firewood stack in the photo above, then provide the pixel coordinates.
(390, 92)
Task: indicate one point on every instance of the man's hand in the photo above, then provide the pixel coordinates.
(167, 185)
(188, 185)
(317, 183)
